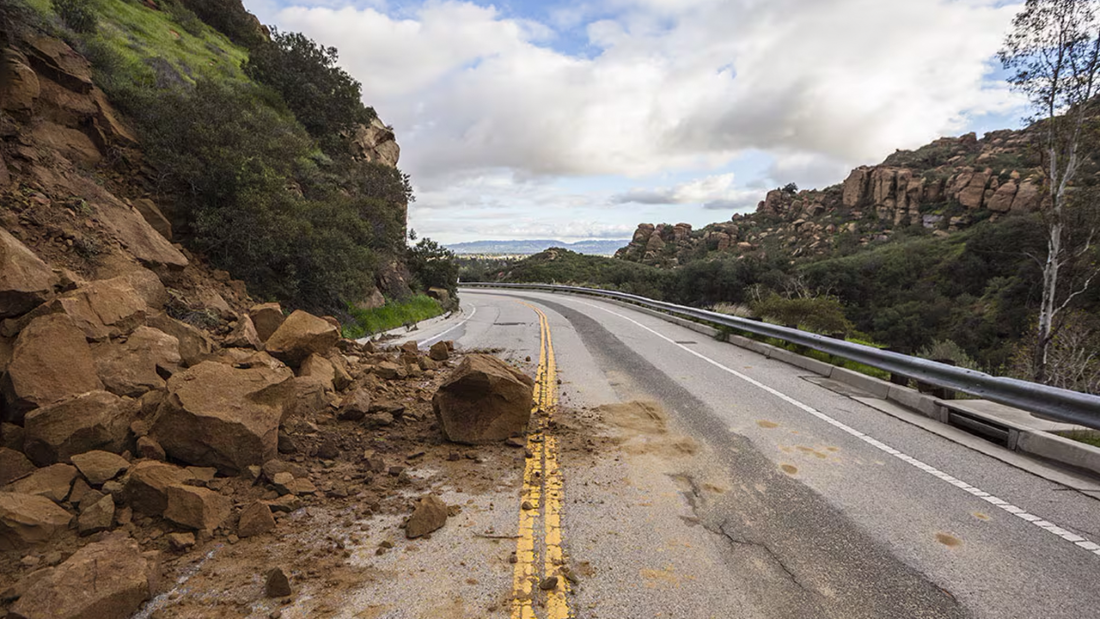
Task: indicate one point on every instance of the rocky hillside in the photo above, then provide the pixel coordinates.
(942, 187)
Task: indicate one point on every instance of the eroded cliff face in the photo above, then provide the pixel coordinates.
(944, 186)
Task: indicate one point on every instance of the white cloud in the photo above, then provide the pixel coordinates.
(821, 85)
(712, 192)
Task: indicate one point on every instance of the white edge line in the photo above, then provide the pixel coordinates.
(1045, 525)
(432, 340)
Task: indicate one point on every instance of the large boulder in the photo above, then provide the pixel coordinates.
(51, 361)
(244, 335)
(217, 415)
(267, 318)
(92, 420)
(13, 465)
(137, 365)
(194, 345)
(25, 281)
(147, 483)
(483, 400)
(100, 466)
(301, 335)
(26, 519)
(117, 301)
(53, 482)
(319, 368)
(103, 580)
(19, 85)
(197, 508)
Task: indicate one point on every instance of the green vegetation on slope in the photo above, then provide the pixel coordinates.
(391, 315)
(258, 173)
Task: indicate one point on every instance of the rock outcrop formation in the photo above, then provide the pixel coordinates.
(944, 186)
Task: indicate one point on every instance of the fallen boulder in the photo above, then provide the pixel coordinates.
(194, 345)
(147, 483)
(267, 318)
(317, 367)
(99, 466)
(217, 415)
(51, 361)
(26, 519)
(355, 405)
(256, 519)
(439, 351)
(25, 280)
(138, 364)
(301, 335)
(197, 508)
(430, 515)
(93, 420)
(52, 482)
(244, 335)
(103, 580)
(483, 401)
(97, 516)
(13, 465)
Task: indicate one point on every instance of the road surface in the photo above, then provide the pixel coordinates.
(736, 486)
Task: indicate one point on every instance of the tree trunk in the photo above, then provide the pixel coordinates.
(1046, 307)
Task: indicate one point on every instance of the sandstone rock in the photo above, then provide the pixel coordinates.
(52, 482)
(391, 371)
(439, 351)
(973, 193)
(98, 516)
(267, 318)
(99, 466)
(197, 508)
(216, 415)
(194, 345)
(1027, 198)
(25, 280)
(181, 541)
(1001, 202)
(51, 361)
(854, 193)
(483, 401)
(20, 85)
(256, 519)
(92, 420)
(117, 302)
(374, 300)
(277, 584)
(374, 142)
(319, 368)
(301, 335)
(430, 515)
(13, 465)
(154, 217)
(150, 449)
(147, 484)
(27, 519)
(103, 580)
(130, 228)
(355, 405)
(244, 335)
(138, 364)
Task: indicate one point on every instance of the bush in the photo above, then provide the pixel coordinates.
(324, 98)
(823, 314)
(80, 15)
(941, 350)
(230, 18)
(432, 266)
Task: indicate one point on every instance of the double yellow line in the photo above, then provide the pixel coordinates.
(541, 499)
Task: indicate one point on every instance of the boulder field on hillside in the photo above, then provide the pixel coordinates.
(131, 439)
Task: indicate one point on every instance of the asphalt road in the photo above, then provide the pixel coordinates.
(737, 486)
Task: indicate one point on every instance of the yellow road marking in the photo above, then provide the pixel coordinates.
(542, 494)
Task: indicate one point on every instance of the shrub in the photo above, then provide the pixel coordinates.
(940, 350)
(324, 98)
(80, 15)
(432, 266)
(823, 314)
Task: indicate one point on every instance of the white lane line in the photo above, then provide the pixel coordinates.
(430, 341)
(1068, 536)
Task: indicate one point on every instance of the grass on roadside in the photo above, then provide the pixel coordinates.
(1088, 437)
(391, 315)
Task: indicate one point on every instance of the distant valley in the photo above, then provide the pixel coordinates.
(530, 247)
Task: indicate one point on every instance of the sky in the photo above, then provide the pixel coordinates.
(579, 119)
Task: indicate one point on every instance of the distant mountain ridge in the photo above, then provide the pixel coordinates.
(530, 247)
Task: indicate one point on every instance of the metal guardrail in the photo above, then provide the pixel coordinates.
(1059, 404)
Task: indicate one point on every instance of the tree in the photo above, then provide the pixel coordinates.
(1054, 54)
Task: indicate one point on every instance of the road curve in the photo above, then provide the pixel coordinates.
(747, 487)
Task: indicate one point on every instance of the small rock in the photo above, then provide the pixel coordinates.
(97, 516)
(328, 450)
(181, 541)
(256, 519)
(515, 441)
(549, 584)
(439, 351)
(430, 515)
(277, 584)
(149, 449)
(100, 466)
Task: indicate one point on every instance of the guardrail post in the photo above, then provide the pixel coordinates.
(934, 391)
